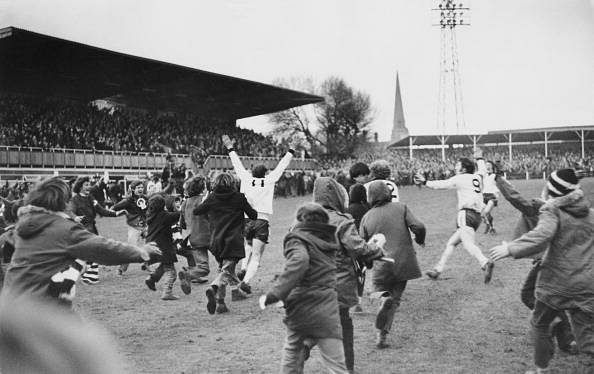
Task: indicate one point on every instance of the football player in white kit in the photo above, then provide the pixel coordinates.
(468, 185)
(490, 195)
(258, 188)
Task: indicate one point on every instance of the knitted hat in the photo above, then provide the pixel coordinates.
(562, 182)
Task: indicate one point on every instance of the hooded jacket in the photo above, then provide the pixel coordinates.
(225, 210)
(333, 196)
(307, 285)
(49, 242)
(566, 279)
(357, 203)
(393, 220)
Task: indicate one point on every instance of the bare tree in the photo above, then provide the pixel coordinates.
(334, 127)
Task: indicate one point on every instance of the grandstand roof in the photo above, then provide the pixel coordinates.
(569, 133)
(37, 64)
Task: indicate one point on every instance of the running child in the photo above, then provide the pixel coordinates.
(198, 234)
(84, 206)
(307, 286)
(225, 208)
(159, 231)
(395, 221)
(490, 194)
(135, 207)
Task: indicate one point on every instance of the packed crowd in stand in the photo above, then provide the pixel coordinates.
(51, 123)
(526, 160)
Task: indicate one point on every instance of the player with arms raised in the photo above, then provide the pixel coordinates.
(468, 186)
(258, 188)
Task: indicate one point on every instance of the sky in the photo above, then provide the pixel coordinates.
(523, 63)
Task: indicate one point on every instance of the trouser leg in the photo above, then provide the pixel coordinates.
(134, 238)
(170, 276)
(347, 338)
(563, 332)
(583, 327)
(332, 353)
(202, 268)
(396, 295)
(542, 316)
(293, 354)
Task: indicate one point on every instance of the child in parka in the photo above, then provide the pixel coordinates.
(566, 278)
(307, 287)
(395, 221)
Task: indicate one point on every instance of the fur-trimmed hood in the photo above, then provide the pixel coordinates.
(330, 194)
(33, 219)
(574, 203)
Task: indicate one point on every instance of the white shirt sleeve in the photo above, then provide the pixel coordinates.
(481, 167)
(445, 184)
(242, 173)
(275, 175)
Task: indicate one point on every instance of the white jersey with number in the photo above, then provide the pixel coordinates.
(489, 184)
(259, 192)
(469, 188)
(391, 185)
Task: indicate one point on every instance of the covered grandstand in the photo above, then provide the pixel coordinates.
(584, 135)
(34, 64)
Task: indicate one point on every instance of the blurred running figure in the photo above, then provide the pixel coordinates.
(468, 187)
(490, 194)
(259, 191)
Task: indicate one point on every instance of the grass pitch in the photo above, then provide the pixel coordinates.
(454, 325)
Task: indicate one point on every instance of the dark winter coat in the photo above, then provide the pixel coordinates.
(88, 207)
(566, 278)
(159, 231)
(136, 216)
(307, 285)
(225, 211)
(332, 196)
(530, 209)
(357, 203)
(393, 220)
(196, 225)
(49, 242)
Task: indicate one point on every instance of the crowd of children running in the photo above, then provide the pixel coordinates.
(52, 240)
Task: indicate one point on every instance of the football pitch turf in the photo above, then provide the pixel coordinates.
(456, 324)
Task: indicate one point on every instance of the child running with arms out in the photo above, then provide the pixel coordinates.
(159, 231)
(225, 208)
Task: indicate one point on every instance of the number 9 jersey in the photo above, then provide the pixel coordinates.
(469, 188)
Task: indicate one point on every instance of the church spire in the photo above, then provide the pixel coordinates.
(399, 130)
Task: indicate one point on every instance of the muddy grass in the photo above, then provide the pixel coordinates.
(454, 325)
